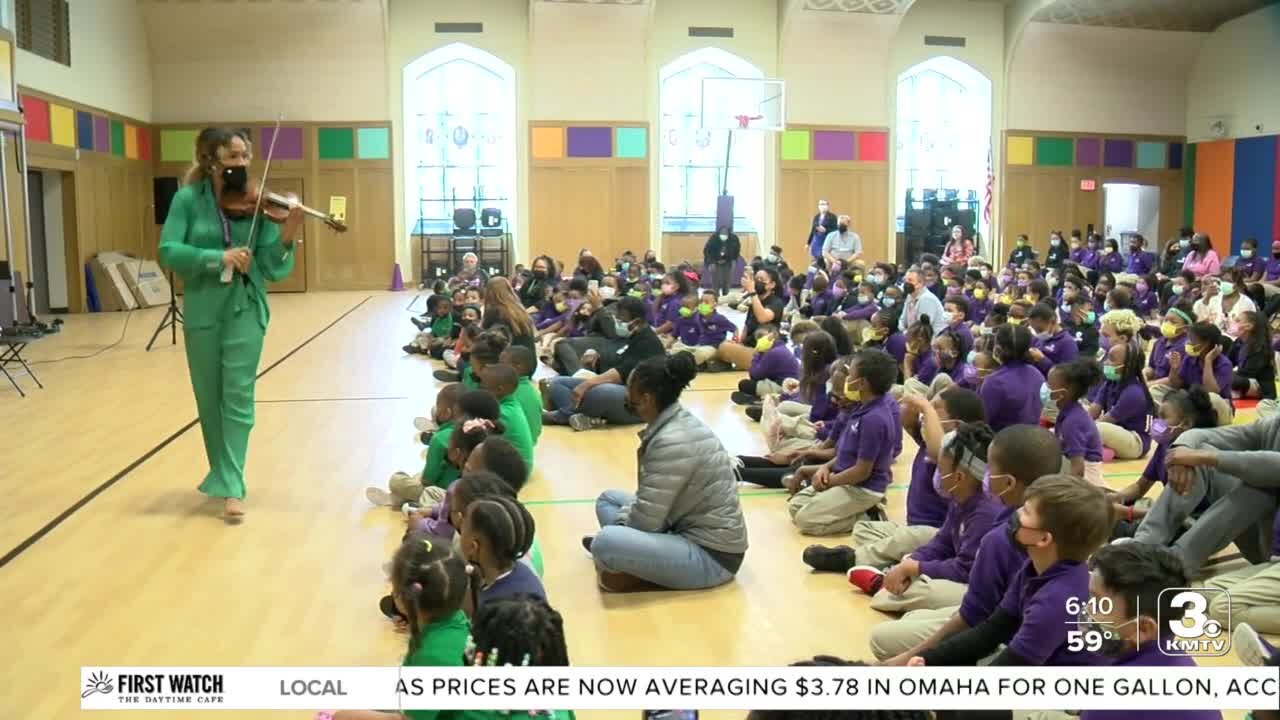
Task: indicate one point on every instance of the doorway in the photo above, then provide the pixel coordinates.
(1130, 208)
(45, 198)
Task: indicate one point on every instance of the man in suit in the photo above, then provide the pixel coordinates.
(823, 223)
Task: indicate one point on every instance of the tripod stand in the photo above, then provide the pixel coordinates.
(172, 317)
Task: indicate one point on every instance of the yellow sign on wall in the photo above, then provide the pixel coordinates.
(338, 207)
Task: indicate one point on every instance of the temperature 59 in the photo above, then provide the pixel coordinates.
(1089, 636)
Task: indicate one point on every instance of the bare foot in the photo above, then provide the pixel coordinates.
(233, 508)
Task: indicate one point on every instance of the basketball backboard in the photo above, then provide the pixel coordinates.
(744, 104)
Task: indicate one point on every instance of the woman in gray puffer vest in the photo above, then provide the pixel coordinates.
(683, 528)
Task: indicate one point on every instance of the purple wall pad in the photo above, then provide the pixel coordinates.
(1118, 153)
(289, 147)
(590, 142)
(833, 145)
(101, 134)
(1087, 151)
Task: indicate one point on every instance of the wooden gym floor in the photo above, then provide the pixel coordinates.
(111, 557)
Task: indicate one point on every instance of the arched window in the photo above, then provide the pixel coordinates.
(693, 158)
(459, 113)
(943, 132)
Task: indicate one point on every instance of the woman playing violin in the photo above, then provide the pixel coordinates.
(225, 269)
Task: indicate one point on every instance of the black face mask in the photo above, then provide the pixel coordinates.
(761, 289)
(908, 288)
(843, 227)
(539, 274)
(1011, 529)
(234, 179)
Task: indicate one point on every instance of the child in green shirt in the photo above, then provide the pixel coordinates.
(438, 472)
(501, 380)
(522, 630)
(521, 358)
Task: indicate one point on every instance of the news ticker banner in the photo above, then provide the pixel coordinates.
(703, 688)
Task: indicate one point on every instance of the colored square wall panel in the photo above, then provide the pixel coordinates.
(1117, 153)
(1020, 150)
(1152, 155)
(631, 142)
(102, 137)
(177, 145)
(337, 143)
(373, 143)
(833, 145)
(1252, 211)
(36, 112)
(1054, 151)
(117, 138)
(1175, 156)
(547, 143)
(589, 141)
(288, 147)
(873, 147)
(62, 125)
(84, 130)
(795, 145)
(1088, 152)
(144, 143)
(131, 142)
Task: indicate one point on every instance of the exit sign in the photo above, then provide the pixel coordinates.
(1088, 185)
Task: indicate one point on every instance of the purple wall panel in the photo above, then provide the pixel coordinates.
(833, 145)
(590, 141)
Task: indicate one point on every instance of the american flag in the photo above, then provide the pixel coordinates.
(991, 187)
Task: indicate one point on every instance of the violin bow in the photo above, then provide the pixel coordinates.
(262, 184)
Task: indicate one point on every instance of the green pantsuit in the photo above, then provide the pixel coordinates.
(224, 323)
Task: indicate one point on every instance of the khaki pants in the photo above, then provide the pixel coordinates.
(940, 383)
(924, 593)
(766, 387)
(881, 543)
(701, 353)
(1126, 443)
(895, 637)
(1254, 597)
(833, 511)
(1220, 404)
(736, 354)
(408, 488)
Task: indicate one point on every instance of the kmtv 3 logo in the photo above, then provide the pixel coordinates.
(1198, 622)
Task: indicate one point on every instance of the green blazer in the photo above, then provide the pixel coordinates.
(191, 245)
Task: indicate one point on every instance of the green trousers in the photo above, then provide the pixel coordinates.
(223, 361)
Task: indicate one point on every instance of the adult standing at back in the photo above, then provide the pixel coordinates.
(824, 222)
(841, 246)
(720, 253)
(920, 302)
(683, 529)
(225, 265)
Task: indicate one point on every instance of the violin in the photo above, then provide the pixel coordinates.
(243, 204)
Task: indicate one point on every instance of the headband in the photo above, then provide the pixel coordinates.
(967, 461)
(477, 424)
(1182, 315)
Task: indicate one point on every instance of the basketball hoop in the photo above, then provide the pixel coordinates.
(744, 121)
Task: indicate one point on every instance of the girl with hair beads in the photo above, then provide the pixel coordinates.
(1011, 393)
(470, 432)
(496, 532)
(523, 631)
(1181, 410)
(428, 586)
(498, 456)
(1081, 442)
(1121, 404)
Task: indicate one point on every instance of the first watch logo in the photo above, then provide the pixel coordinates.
(156, 688)
(98, 682)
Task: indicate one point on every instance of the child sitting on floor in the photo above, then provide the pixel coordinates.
(1081, 441)
(1121, 404)
(502, 381)
(772, 364)
(521, 358)
(496, 533)
(522, 631)
(426, 488)
(712, 328)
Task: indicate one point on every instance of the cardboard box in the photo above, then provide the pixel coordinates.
(146, 281)
(113, 292)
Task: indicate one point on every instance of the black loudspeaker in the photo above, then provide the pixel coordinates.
(165, 188)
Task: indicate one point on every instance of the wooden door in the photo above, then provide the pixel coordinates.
(297, 280)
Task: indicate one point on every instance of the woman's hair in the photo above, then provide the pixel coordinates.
(665, 377)
(1194, 403)
(816, 355)
(429, 577)
(504, 460)
(519, 630)
(1125, 322)
(589, 265)
(1012, 343)
(505, 523)
(1260, 337)
(778, 285)
(1079, 376)
(971, 440)
(206, 151)
(551, 266)
(501, 301)
(834, 327)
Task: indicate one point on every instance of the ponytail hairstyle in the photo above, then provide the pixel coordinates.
(1012, 344)
(470, 432)
(1079, 376)
(921, 331)
(1206, 333)
(522, 629)
(1125, 322)
(206, 152)
(505, 524)
(428, 578)
(664, 377)
(1194, 405)
(968, 448)
(816, 355)
(834, 327)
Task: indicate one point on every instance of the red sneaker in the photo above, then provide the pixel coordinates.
(867, 579)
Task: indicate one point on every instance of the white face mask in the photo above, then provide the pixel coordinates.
(607, 292)
(724, 236)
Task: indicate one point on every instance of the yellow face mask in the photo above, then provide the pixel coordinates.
(1006, 299)
(850, 394)
(1193, 351)
(868, 335)
(1169, 330)
(764, 344)
(1015, 321)
(979, 294)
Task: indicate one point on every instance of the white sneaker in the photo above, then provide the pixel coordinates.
(582, 423)
(424, 424)
(409, 507)
(1249, 647)
(380, 497)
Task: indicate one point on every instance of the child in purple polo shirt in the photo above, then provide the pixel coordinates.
(821, 302)
(919, 367)
(772, 364)
(1016, 458)
(712, 329)
(1173, 338)
(1145, 300)
(1011, 394)
(1129, 581)
(957, 309)
(1081, 443)
(1140, 261)
(1250, 264)
(859, 303)
(1063, 520)
(1121, 404)
(1203, 363)
(842, 491)
(934, 575)
(685, 329)
(884, 335)
(979, 301)
(926, 422)
(1052, 345)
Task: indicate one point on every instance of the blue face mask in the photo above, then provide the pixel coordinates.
(888, 302)
(623, 328)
